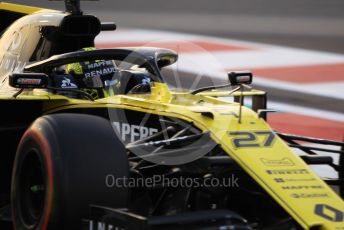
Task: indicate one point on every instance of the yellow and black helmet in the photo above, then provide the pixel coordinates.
(102, 78)
(96, 68)
(94, 76)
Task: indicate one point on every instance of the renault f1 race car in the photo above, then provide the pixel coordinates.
(97, 139)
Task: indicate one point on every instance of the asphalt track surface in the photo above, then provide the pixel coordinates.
(308, 24)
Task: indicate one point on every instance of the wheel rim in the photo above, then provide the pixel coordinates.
(31, 189)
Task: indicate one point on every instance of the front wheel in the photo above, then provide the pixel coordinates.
(61, 167)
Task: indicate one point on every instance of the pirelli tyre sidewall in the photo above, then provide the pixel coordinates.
(61, 166)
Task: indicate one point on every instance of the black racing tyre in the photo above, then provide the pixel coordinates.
(61, 167)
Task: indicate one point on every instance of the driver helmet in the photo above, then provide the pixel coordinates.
(95, 76)
(102, 78)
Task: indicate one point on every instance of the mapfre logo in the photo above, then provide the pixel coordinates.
(131, 133)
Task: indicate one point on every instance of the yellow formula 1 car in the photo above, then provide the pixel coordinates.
(95, 139)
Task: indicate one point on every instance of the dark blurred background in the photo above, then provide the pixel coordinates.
(310, 24)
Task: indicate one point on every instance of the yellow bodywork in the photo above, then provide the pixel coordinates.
(276, 168)
(19, 8)
(270, 162)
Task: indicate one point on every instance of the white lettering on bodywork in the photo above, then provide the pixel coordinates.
(100, 72)
(102, 226)
(131, 133)
(125, 130)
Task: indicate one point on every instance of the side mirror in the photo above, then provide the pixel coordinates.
(240, 77)
(28, 80)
